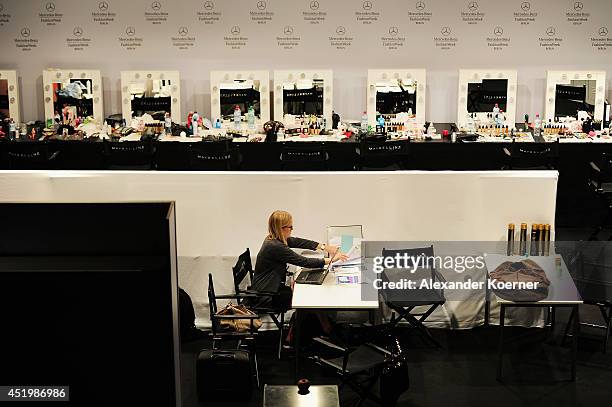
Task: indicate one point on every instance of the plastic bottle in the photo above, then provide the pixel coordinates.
(237, 117)
(251, 118)
(537, 125)
(496, 114)
(380, 128)
(364, 122)
(195, 125)
(431, 130)
(168, 124)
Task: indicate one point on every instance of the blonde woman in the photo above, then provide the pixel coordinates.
(275, 254)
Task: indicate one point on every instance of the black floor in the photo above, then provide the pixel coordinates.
(462, 372)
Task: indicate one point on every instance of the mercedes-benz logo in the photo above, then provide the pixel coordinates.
(340, 30)
(235, 30)
(472, 6)
(156, 5)
(498, 31)
(103, 6)
(446, 31)
(209, 5)
(77, 32)
(367, 5)
(50, 7)
(131, 31)
(525, 6)
(393, 30)
(578, 6)
(420, 5)
(550, 31)
(25, 32)
(261, 5)
(603, 31)
(314, 5)
(288, 30)
(183, 31)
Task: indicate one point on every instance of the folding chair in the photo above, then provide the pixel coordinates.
(243, 268)
(246, 339)
(400, 303)
(532, 156)
(600, 182)
(300, 156)
(361, 363)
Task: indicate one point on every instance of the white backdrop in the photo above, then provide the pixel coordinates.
(206, 47)
(219, 215)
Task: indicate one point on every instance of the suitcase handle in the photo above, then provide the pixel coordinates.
(226, 356)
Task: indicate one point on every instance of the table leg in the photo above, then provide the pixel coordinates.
(487, 310)
(500, 349)
(297, 342)
(576, 316)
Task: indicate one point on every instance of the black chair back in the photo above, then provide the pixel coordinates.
(601, 171)
(129, 155)
(420, 296)
(242, 268)
(210, 156)
(534, 156)
(382, 154)
(298, 156)
(29, 156)
(212, 304)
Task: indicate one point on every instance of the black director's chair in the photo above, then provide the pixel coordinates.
(404, 304)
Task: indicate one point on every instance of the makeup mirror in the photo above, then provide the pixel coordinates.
(153, 92)
(229, 89)
(481, 89)
(568, 92)
(73, 95)
(303, 92)
(9, 96)
(393, 91)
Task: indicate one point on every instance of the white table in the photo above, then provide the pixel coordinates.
(562, 293)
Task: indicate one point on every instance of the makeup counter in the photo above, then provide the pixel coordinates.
(256, 122)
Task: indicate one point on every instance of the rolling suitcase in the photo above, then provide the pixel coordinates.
(224, 374)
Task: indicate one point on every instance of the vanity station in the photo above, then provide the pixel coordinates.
(9, 96)
(303, 100)
(73, 102)
(396, 101)
(486, 99)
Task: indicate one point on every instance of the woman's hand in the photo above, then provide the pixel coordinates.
(338, 257)
(332, 250)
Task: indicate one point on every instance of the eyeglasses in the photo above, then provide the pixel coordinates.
(288, 227)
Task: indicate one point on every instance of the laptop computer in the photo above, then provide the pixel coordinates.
(313, 276)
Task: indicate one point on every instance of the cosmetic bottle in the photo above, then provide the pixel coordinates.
(523, 240)
(364, 123)
(510, 245)
(496, 114)
(251, 118)
(533, 251)
(546, 240)
(431, 131)
(194, 124)
(380, 128)
(12, 130)
(237, 117)
(537, 125)
(168, 124)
